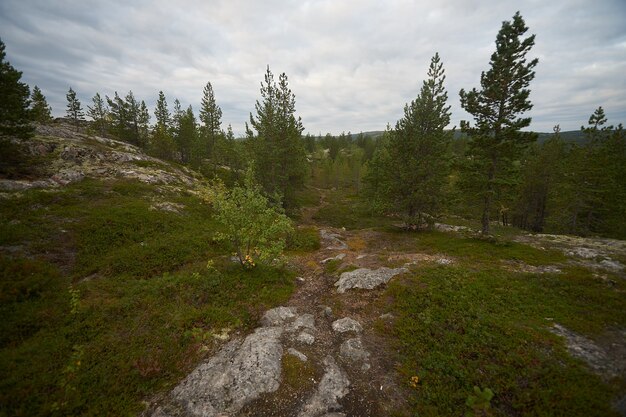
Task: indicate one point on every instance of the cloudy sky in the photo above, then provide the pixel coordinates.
(351, 63)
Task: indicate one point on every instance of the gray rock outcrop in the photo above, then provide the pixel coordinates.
(238, 374)
(333, 386)
(353, 350)
(347, 324)
(366, 278)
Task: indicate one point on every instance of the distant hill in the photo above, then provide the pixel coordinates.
(570, 136)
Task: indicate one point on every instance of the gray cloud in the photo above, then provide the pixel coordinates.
(352, 64)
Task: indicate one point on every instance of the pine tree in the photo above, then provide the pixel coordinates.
(74, 109)
(186, 135)
(161, 144)
(40, 110)
(417, 152)
(119, 117)
(211, 119)
(278, 149)
(496, 139)
(99, 113)
(15, 115)
(143, 121)
(132, 115)
(161, 113)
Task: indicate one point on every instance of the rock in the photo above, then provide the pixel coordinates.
(334, 258)
(366, 367)
(444, 261)
(387, 316)
(611, 265)
(352, 349)
(332, 240)
(333, 386)
(347, 324)
(278, 316)
(306, 321)
(297, 354)
(583, 252)
(582, 348)
(450, 228)
(328, 312)
(238, 374)
(361, 256)
(306, 338)
(366, 278)
(300, 280)
(167, 206)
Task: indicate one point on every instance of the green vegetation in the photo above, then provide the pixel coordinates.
(278, 151)
(15, 115)
(124, 293)
(74, 109)
(460, 327)
(255, 230)
(408, 174)
(496, 139)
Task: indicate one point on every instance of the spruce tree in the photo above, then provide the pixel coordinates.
(495, 139)
(211, 119)
(417, 154)
(40, 110)
(278, 149)
(99, 113)
(74, 109)
(15, 116)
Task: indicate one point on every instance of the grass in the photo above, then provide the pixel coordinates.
(460, 327)
(147, 312)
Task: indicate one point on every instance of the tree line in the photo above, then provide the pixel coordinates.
(417, 169)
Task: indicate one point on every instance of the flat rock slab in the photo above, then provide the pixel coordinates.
(347, 324)
(366, 278)
(333, 386)
(238, 374)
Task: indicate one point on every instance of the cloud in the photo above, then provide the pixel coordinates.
(352, 64)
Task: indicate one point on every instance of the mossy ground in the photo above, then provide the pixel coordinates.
(106, 301)
(474, 323)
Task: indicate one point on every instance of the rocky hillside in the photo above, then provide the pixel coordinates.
(65, 156)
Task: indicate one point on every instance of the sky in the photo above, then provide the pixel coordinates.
(352, 64)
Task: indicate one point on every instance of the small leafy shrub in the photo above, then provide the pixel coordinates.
(255, 229)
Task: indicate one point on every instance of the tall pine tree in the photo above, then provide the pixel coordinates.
(417, 155)
(161, 143)
(278, 148)
(74, 110)
(40, 110)
(495, 139)
(211, 119)
(99, 113)
(15, 116)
